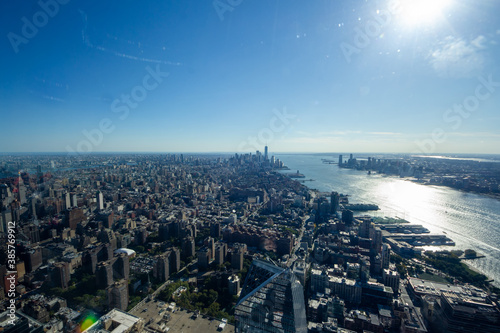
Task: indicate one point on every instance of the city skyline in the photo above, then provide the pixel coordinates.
(236, 76)
(244, 243)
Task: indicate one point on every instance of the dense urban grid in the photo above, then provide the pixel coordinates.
(202, 243)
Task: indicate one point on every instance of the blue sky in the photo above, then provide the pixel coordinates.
(301, 76)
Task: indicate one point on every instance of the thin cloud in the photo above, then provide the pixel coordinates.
(385, 133)
(339, 133)
(479, 42)
(128, 56)
(303, 133)
(475, 134)
(349, 132)
(53, 98)
(45, 96)
(86, 41)
(458, 58)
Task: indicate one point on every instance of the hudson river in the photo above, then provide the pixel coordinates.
(471, 220)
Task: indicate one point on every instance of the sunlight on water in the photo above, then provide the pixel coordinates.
(404, 195)
(471, 220)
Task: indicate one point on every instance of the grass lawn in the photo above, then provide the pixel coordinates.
(389, 220)
(432, 277)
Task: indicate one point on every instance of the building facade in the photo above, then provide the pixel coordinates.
(272, 300)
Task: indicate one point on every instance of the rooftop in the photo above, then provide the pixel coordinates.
(157, 314)
(425, 287)
(115, 321)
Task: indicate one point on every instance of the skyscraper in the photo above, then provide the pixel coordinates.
(265, 154)
(233, 284)
(161, 268)
(272, 300)
(5, 195)
(100, 201)
(347, 216)
(32, 206)
(334, 202)
(237, 257)
(215, 230)
(121, 267)
(188, 247)
(67, 200)
(60, 275)
(210, 244)
(73, 217)
(104, 274)
(39, 173)
(21, 189)
(366, 228)
(203, 258)
(174, 260)
(219, 255)
(391, 279)
(32, 257)
(117, 295)
(386, 255)
(90, 260)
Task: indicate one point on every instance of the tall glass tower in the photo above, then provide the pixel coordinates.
(272, 300)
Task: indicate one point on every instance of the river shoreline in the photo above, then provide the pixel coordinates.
(471, 219)
(495, 196)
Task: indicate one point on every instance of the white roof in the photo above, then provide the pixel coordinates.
(129, 252)
(124, 320)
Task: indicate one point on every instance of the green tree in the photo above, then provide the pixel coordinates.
(470, 253)
(213, 309)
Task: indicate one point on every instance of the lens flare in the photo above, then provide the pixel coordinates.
(88, 321)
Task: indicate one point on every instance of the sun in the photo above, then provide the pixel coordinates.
(413, 13)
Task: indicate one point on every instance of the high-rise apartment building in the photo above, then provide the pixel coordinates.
(104, 274)
(121, 267)
(161, 269)
(188, 247)
(175, 260)
(60, 275)
(117, 295)
(237, 257)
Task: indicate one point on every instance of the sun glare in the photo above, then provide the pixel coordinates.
(413, 13)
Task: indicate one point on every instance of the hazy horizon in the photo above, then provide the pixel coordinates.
(335, 154)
